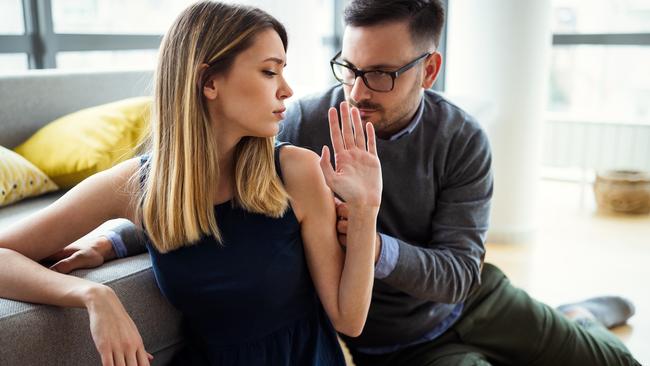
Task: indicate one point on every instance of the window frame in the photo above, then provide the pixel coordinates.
(41, 43)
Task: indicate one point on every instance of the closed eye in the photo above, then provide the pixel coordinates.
(269, 73)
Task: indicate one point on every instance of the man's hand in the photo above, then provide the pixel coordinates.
(342, 227)
(87, 252)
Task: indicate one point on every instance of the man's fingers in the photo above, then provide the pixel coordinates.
(346, 125)
(335, 131)
(326, 165)
(63, 266)
(342, 226)
(359, 134)
(372, 140)
(61, 254)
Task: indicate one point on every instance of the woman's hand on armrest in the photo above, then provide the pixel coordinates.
(115, 334)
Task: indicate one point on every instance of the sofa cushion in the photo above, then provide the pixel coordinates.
(86, 142)
(20, 179)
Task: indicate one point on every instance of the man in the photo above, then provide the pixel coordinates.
(434, 300)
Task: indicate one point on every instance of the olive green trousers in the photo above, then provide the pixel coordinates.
(502, 325)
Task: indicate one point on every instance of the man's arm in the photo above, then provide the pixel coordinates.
(449, 266)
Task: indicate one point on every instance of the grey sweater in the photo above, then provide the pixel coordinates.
(436, 202)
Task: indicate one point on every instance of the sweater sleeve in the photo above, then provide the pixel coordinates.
(447, 267)
(127, 240)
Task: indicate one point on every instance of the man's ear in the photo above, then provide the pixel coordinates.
(209, 87)
(432, 66)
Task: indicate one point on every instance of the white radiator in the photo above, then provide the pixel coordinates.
(595, 146)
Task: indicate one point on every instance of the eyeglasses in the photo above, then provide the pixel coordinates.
(377, 80)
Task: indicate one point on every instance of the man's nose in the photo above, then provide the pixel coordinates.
(359, 90)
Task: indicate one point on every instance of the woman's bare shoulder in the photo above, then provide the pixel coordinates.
(303, 180)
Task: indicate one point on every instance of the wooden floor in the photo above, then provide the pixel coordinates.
(580, 253)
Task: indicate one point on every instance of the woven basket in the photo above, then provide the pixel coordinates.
(623, 191)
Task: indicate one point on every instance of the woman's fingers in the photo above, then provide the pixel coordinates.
(118, 358)
(372, 141)
(107, 358)
(143, 357)
(346, 125)
(359, 134)
(131, 358)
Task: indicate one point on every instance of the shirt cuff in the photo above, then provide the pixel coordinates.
(388, 256)
(117, 243)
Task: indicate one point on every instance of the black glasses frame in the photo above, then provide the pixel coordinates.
(362, 74)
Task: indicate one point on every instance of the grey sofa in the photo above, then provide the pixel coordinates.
(45, 335)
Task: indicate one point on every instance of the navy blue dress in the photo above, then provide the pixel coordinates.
(250, 301)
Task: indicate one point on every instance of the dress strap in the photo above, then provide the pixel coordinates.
(278, 168)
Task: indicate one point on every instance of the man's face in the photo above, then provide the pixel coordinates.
(385, 47)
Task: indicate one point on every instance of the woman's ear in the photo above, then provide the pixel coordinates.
(209, 87)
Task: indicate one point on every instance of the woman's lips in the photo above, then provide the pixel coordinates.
(280, 113)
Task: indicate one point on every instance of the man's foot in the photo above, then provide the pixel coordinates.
(610, 311)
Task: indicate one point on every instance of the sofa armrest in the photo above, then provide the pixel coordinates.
(33, 334)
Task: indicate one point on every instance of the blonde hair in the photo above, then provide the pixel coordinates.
(175, 202)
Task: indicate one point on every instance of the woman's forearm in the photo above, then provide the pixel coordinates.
(23, 279)
(355, 290)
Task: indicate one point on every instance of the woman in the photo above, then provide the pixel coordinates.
(241, 232)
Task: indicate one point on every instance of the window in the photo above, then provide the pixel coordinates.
(103, 60)
(600, 84)
(12, 17)
(599, 62)
(115, 16)
(601, 16)
(13, 62)
(599, 89)
(102, 34)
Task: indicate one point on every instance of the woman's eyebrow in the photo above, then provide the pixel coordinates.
(276, 60)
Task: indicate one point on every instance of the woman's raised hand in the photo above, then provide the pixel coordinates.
(357, 177)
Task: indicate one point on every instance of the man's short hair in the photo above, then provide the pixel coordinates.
(426, 17)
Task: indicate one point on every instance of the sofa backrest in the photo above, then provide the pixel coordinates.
(30, 100)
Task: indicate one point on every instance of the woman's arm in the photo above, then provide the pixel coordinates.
(99, 198)
(343, 279)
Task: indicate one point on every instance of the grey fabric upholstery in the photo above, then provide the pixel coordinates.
(44, 335)
(31, 100)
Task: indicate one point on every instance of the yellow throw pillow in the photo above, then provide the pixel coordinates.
(20, 179)
(78, 145)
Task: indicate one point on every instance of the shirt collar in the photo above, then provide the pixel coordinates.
(411, 126)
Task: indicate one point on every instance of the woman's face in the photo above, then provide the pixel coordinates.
(248, 99)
